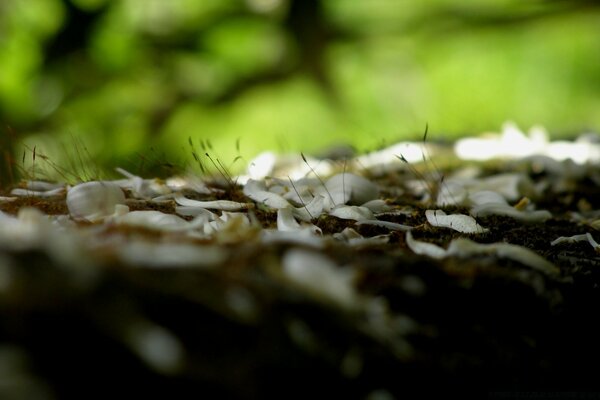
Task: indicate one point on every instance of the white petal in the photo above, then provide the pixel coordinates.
(194, 211)
(486, 197)
(28, 229)
(356, 240)
(159, 348)
(577, 238)
(347, 234)
(451, 192)
(424, 248)
(154, 220)
(191, 182)
(352, 212)
(361, 243)
(591, 240)
(349, 188)
(512, 186)
(312, 210)
(385, 224)
(286, 221)
(377, 206)
(302, 237)
(486, 209)
(463, 247)
(320, 276)
(257, 191)
(141, 188)
(94, 200)
(458, 222)
(37, 193)
(42, 186)
(569, 239)
(225, 205)
(262, 165)
(171, 255)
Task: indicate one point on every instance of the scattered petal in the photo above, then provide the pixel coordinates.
(156, 346)
(377, 206)
(463, 247)
(347, 234)
(311, 210)
(586, 237)
(286, 221)
(141, 188)
(356, 240)
(225, 205)
(94, 200)
(262, 165)
(37, 193)
(257, 191)
(43, 186)
(356, 213)
(486, 209)
(486, 197)
(458, 222)
(320, 276)
(303, 237)
(349, 188)
(154, 220)
(385, 224)
(30, 228)
(191, 211)
(170, 255)
(424, 248)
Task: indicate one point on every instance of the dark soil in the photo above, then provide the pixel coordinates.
(479, 326)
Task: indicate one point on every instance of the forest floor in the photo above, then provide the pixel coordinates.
(262, 303)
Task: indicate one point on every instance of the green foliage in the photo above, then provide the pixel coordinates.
(123, 76)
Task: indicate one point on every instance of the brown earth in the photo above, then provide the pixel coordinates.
(482, 325)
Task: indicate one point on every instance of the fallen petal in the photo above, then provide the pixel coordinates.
(356, 213)
(424, 248)
(94, 200)
(458, 222)
(225, 205)
(319, 275)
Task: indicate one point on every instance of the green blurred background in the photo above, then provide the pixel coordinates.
(129, 82)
